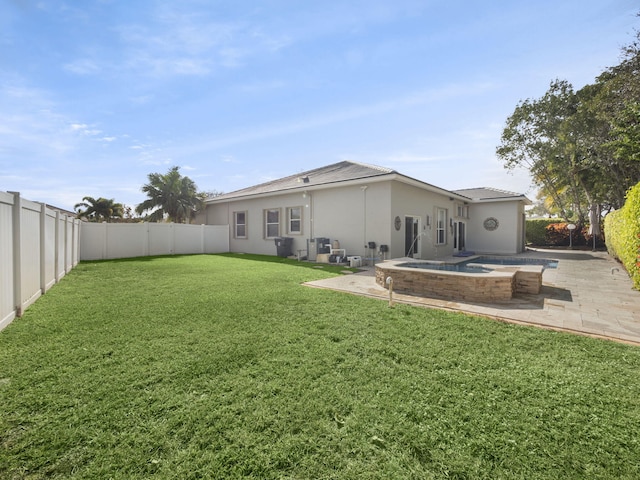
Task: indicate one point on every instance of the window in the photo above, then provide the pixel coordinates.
(240, 224)
(272, 222)
(463, 211)
(294, 220)
(441, 226)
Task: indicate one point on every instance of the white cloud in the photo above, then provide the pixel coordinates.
(406, 158)
(84, 129)
(83, 67)
(413, 99)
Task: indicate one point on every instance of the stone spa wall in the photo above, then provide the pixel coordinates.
(497, 285)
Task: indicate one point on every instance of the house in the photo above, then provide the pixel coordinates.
(372, 212)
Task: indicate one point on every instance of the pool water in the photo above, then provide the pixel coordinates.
(447, 267)
(486, 260)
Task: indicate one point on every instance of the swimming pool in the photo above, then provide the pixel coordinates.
(489, 260)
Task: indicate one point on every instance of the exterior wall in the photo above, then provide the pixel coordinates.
(353, 215)
(507, 239)
(416, 202)
(362, 212)
(255, 241)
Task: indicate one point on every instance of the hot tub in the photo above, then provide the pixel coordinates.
(465, 281)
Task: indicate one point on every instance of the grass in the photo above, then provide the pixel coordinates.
(224, 366)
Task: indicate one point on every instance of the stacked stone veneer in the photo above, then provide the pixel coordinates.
(499, 285)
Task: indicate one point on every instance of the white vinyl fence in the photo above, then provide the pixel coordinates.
(101, 241)
(38, 246)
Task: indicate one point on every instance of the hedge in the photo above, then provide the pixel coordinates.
(536, 233)
(622, 231)
(548, 232)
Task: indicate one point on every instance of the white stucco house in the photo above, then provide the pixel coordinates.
(373, 212)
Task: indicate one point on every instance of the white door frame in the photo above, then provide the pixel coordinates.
(415, 233)
(459, 246)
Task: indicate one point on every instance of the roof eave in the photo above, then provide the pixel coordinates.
(306, 187)
(520, 198)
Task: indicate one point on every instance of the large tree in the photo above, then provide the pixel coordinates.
(541, 136)
(98, 210)
(582, 148)
(171, 196)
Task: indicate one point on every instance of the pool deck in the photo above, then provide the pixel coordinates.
(589, 294)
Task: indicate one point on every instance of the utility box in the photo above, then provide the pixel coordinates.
(318, 246)
(284, 246)
(323, 245)
(354, 261)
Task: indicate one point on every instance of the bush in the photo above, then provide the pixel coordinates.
(622, 231)
(537, 231)
(551, 233)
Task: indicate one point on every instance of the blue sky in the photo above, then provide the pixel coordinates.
(95, 95)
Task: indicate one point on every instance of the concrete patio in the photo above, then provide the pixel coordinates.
(589, 294)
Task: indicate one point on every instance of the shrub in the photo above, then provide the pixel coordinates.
(622, 231)
(558, 235)
(551, 233)
(537, 231)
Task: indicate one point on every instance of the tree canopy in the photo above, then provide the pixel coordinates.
(582, 147)
(98, 210)
(171, 196)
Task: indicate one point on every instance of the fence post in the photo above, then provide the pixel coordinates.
(17, 253)
(74, 260)
(56, 246)
(43, 248)
(147, 240)
(173, 238)
(105, 240)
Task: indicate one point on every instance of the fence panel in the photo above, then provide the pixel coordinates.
(38, 246)
(48, 275)
(30, 238)
(7, 293)
(161, 238)
(102, 241)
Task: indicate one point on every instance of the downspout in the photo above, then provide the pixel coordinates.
(364, 217)
(311, 215)
(308, 195)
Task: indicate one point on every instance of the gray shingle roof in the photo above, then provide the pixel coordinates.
(337, 172)
(484, 193)
(346, 171)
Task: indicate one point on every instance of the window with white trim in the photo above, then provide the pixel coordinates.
(272, 223)
(463, 211)
(294, 220)
(240, 224)
(441, 226)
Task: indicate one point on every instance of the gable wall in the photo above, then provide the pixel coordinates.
(507, 238)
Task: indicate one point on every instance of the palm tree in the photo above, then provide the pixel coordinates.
(101, 209)
(170, 195)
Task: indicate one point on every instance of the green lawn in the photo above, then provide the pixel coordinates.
(224, 366)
